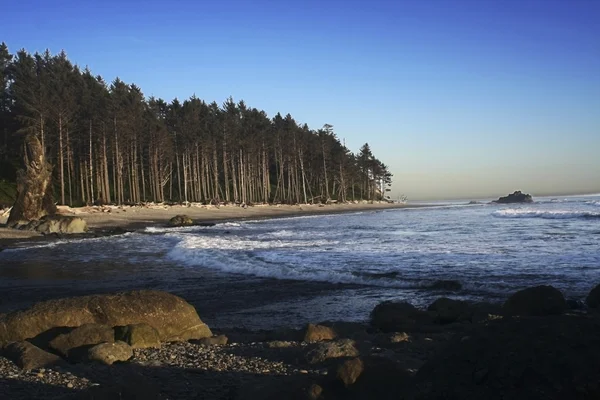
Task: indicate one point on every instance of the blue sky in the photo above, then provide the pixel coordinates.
(459, 98)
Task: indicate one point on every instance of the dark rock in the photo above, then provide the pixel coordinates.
(483, 312)
(333, 349)
(170, 315)
(27, 356)
(281, 387)
(536, 301)
(138, 336)
(593, 298)
(86, 334)
(181, 220)
(516, 197)
(575, 304)
(554, 357)
(129, 386)
(448, 285)
(318, 333)
(448, 310)
(220, 340)
(34, 185)
(397, 316)
(109, 353)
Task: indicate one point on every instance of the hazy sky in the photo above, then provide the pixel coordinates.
(459, 98)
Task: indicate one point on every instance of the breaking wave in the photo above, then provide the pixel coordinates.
(545, 214)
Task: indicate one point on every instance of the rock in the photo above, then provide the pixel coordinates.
(34, 185)
(129, 386)
(397, 316)
(333, 349)
(317, 333)
(27, 356)
(85, 335)
(483, 312)
(593, 298)
(373, 378)
(220, 340)
(138, 336)
(516, 197)
(280, 387)
(349, 371)
(170, 315)
(447, 285)
(58, 224)
(109, 353)
(448, 310)
(399, 337)
(553, 357)
(279, 344)
(575, 304)
(181, 220)
(536, 301)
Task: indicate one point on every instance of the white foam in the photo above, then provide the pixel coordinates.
(546, 214)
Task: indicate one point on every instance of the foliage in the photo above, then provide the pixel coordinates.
(108, 143)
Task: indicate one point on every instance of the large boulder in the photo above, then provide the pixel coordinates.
(173, 318)
(516, 197)
(554, 357)
(138, 336)
(28, 356)
(536, 301)
(392, 316)
(448, 310)
(86, 334)
(181, 220)
(593, 298)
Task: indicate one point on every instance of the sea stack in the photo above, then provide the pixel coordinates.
(516, 197)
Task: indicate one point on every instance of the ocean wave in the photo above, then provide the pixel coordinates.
(545, 214)
(593, 203)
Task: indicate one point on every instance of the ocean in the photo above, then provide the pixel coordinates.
(289, 271)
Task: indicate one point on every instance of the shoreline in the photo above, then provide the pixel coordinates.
(108, 220)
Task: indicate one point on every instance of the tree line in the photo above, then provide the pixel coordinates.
(108, 143)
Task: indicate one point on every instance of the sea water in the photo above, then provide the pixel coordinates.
(331, 266)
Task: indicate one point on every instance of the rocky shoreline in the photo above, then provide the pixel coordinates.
(536, 345)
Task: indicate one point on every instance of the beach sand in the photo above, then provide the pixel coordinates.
(140, 217)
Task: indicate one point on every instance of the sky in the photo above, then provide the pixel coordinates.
(461, 99)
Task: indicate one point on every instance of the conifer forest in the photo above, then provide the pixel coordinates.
(108, 143)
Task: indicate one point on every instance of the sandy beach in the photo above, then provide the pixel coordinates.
(131, 218)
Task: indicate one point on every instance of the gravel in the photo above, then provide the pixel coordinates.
(177, 370)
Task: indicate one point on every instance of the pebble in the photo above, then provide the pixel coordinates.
(176, 360)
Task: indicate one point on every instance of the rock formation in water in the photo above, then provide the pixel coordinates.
(34, 188)
(516, 197)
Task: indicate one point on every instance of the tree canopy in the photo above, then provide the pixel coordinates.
(108, 143)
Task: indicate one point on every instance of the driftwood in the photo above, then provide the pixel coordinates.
(34, 188)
